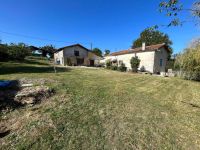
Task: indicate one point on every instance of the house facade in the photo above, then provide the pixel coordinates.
(152, 58)
(76, 55)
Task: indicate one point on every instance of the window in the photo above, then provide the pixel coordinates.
(161, 62)
(76, 53)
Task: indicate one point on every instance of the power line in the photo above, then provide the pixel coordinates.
(38, 38)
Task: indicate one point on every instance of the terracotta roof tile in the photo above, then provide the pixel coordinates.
(139, 49)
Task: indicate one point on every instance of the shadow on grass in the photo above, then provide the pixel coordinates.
(32, 62)
(7, 95)
(7, 103)
(31, 69)
(193, 105)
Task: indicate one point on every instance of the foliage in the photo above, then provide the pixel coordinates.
(18, 51)
(194, 43)
(152, 36)
(142, 69)
(135, 62)
(107, 52)
(170, 64)
(3, 52)
(108, 64)
(48, 49)
(122, 67)
(97, 51)
(173, 8)
(114, 67)
(189, 63)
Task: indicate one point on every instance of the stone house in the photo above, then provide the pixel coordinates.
(153, 58)
(76, 55)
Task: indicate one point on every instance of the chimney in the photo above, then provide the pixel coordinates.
(143, 46)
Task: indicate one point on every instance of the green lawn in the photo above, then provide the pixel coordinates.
(102, 109)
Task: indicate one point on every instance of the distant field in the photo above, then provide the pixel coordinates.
(103, 109)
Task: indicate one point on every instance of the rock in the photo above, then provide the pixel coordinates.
(23, 92)
(32, 95)
(26, 85)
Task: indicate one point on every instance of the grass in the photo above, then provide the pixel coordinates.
(103, 109)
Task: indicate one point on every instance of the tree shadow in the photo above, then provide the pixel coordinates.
(7, 95)
(32, 62)
(31, 69)
(193, 105)
(7, 103)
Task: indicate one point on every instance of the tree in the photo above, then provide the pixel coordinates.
(189, 63)
(97, 51)
(135, 62)
(3, 52)
(48, 49)
(173, 9)
(108, 64)
(107, 52)
(152, 36)
(194, 43)
(18, 51)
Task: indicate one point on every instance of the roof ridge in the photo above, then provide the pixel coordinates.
(148, 46)
(137, 49)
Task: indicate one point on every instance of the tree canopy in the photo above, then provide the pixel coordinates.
(48, 49)
(189, 62)
(152, 36)
(97, 51)
(173, 9)
(107, 52)
(14, 51)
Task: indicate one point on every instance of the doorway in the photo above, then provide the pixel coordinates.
(91, 62)
(80, 61)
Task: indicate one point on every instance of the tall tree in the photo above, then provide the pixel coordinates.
(48, 49)
(152, 36)
(97, 51)
(107, 52)
(173, 9)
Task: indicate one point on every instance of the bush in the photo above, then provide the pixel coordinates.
(189, 63)
(122, 67)
(142, 69)
(3, 52)
(114, 67)
(18, 53)
(108, 64)
(135, 62)
(170, 64)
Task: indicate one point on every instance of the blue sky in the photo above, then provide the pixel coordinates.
(108, 24)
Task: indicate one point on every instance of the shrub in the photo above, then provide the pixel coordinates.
(101, 64)
(3, 52)
(18, 52)
(114, 67)
(122, 67)
(142, 69)
(108, 64)
(170, 64)
(135, 62)
(189, 63)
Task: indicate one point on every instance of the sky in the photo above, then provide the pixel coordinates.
(107, 24)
